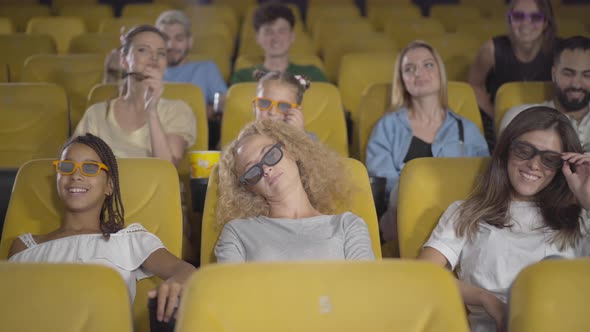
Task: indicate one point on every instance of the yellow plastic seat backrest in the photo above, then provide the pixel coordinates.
(322, 12)
(57, 5)
(427, 187)
(202, 42)
(239, 6)
(21, 47)
(113, 25)
(382, 296)
(449, 15)
(569, 28)
(150, 194)
(519, 93)
(380, 13)
(551, 296)
(91, 14)
(100, 43)
(483, 30)
(403, 31)
(63, 297)
(326, 29)
(3, 73)
(334, 49)
(20, 14)
(321, 105)
(149, 11)
(33, 122)
(214, 14)
(458, 51)
(61, 28)
(376, 100)
(76, 73)
(6, 26)
(573, 12)
(362, 205)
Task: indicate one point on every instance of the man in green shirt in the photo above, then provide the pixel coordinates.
(274, 33)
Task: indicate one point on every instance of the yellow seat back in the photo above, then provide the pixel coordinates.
(212, 13)
(329, 296)
(21, 47)
(76, 73)
(335, 49)
(62, 29)
(362, 205)
(457, 52)
(403, 31)
(449, 15)
(518, 93)
(3, 73)
(100, 43)
(21, 13)
(239, 6)
(33, 122)
(149, 11)
(92, 15)
(321, 106)
(327, 29)
(551, 296)
(427, 187)
(63, 297)
(358, 71)
(150, 194)
(317, 13)
(378, 14)
(377, 99)
(6, 26)
(113, 25)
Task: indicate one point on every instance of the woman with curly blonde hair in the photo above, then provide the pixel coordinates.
(277, 189)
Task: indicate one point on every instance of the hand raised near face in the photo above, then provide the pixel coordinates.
(578, 180)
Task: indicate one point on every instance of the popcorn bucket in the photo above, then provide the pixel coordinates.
(202, 163)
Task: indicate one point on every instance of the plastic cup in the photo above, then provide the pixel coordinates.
(202, 163)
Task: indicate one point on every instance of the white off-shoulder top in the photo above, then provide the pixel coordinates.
(125, 251)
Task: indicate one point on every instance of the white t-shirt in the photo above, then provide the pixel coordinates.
(496, 255)
(125, 252)
(582, 127)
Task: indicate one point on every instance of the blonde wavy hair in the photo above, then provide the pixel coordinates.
(399, 94)
(322, 172)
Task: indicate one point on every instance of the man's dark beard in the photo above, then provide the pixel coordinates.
(177, 62)
(572, 105)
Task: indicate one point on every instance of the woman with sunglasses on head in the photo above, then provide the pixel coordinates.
(524, 54)
(277, 189)
(93, 231)
(140, 123)
(279, 96)
(532, 202)
(419, 124)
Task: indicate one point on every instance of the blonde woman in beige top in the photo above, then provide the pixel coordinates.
(139, 123)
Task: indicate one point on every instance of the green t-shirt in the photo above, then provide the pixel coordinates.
(313, 73)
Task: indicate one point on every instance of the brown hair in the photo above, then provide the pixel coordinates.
(299, 83)
(321, 170)
(550, 32)
(112, 213)
(489, 202)
(399, 94)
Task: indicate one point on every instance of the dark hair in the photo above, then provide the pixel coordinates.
(489, 202)
(571, 43)
(550, 32)
(270, 12)
(112, 214)
(299, 82)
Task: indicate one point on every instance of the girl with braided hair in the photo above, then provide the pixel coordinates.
(279, 96)
(93, 231)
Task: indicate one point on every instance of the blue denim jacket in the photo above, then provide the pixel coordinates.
(391, 137)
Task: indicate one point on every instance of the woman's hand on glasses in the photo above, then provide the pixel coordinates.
(294, 117)
(154, 89)
(579, 179)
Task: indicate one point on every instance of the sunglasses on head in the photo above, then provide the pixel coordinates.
(87, 168)
(519, 16)
(526, 151)
(255, 173)
(266, 104)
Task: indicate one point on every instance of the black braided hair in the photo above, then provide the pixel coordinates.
(299, 82)
(112, 214)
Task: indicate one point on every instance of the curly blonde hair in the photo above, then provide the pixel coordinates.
(322, 172)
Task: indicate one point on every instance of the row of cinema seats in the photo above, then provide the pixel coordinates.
(36, 127)
(406, 294)
(364, 296)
